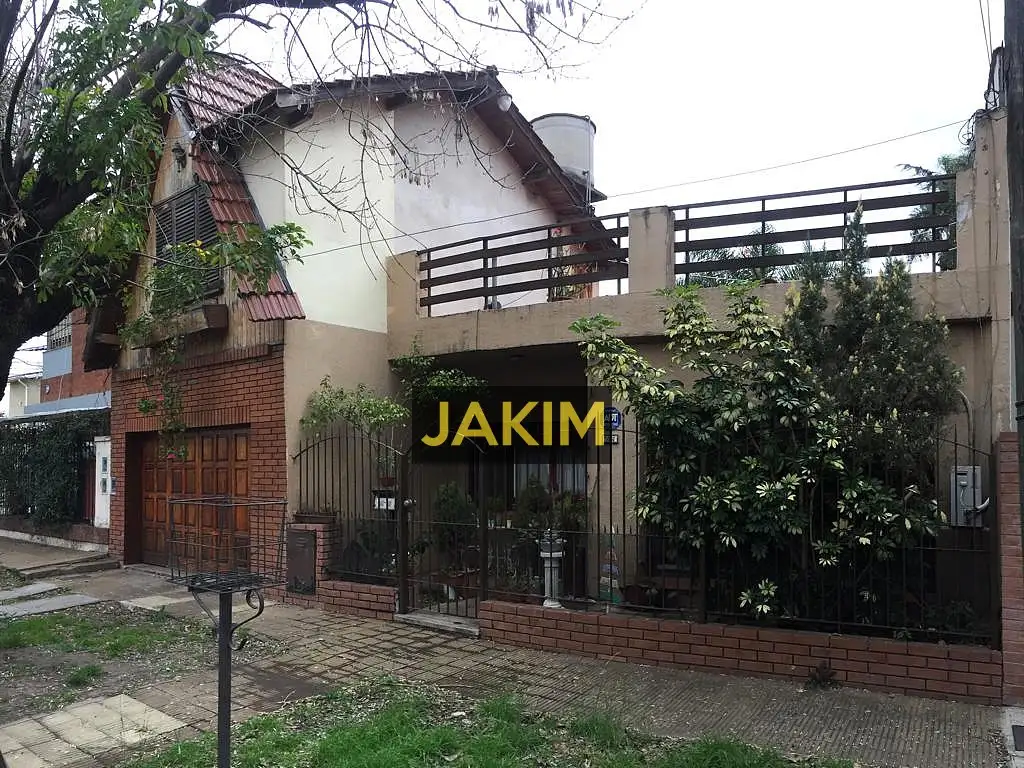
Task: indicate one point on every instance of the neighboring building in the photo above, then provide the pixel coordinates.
(255, 359)
(22, 393)
(66, 385)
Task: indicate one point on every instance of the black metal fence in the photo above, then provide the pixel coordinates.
(476, 531)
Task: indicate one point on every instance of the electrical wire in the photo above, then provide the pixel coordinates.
(985, 30)
(661, 188)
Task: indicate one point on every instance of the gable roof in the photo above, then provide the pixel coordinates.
(206, 99)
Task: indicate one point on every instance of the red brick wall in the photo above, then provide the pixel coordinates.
(1011, 569)
(920, 669)
(367, 600)
(79, 381)
(232, 388)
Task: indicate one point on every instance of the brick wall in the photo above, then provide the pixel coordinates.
(367, 600)
(1011, 569)
(233, 388)
(79, 381)
(920, 669)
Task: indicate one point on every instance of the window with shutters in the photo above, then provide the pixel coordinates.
(185, 218)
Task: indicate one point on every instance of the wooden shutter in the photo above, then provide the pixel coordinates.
(185, 218)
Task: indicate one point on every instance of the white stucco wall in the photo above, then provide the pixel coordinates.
(457, 178)
(344, 200)
(472, 179)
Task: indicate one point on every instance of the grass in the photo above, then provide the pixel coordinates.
(385, 725)
(71, 632)
(82, 676)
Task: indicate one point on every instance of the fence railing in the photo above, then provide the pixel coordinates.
(768, 232)
(749, 237)
(525, 266)
(474, 532)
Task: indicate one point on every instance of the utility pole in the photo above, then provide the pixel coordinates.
(1013, 45)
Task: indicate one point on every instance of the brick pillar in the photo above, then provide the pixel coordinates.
(1011, 564)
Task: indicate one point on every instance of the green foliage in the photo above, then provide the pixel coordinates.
(73, 633)
(41, 464)
(789, 415)
(948, 165)
(82, 676)
(425, 382)
(360, 407)
(455, 517)
(176, 284)
(380, 726)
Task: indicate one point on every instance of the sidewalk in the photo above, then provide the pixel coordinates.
(325, 650)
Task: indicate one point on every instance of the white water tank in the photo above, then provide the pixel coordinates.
(571, 140)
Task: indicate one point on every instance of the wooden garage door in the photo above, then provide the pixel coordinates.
(216, 463)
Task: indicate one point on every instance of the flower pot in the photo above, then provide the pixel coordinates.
(386, 481)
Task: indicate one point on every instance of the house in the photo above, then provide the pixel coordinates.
(61, 389)
(22, 393)
(413, 160)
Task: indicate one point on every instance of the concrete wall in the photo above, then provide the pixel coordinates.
(343, 199)
(22, 395)
(452, 188)
(313, 350)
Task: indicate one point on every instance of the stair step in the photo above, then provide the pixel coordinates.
(45, 605)
(99, 562)
(28, 590)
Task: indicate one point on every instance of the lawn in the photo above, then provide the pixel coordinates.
(385, 724)
(50, 660)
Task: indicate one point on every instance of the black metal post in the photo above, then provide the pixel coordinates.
(403, 533)
(485, 551)
(224, 681)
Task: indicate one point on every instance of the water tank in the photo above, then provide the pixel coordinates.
(571, 140)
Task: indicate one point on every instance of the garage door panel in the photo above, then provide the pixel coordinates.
(215, 463)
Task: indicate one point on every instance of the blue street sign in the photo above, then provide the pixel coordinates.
(613, 418)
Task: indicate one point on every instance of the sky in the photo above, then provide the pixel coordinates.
(687, 91)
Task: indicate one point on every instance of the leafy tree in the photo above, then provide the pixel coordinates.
(948, 165)
(782, 274)
(788, 416)
(84, 95)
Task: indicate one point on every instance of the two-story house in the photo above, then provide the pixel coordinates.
(368, 168)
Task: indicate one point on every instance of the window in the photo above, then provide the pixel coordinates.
(185, 218)
(557, 470)
(59, 336)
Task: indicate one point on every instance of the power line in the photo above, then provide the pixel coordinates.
(664, 187)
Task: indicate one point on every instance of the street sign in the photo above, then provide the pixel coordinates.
(613, 418)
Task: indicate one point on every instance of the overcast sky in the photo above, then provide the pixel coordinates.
(691, 90)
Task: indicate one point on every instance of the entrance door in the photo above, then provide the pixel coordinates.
(216, 463)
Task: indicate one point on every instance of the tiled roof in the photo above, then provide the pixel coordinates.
(233, 210)
(212, 95)
(209, 97)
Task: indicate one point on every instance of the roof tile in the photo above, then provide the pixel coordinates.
(233, 209)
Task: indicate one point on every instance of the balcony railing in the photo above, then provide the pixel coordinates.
(714, 242)
(526, 266)
(757, 235)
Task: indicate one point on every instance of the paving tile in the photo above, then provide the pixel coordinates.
(28, 733)
(23, 758)
(155, 602)
(57, 752)
(27, 590)
(45, 605)
(77, 732)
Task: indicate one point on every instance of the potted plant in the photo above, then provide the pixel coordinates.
(386, 467)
